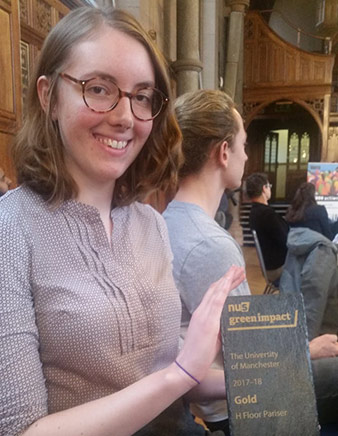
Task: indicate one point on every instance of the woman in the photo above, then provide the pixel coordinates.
(89, 311)
(305, 212)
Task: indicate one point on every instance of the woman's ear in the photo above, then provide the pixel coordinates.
(44, 95)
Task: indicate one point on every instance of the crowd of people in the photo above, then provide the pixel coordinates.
(109, 312)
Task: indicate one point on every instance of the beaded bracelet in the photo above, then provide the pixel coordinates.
(188, 373)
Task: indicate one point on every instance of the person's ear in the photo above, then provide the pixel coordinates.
(264, 190)
(43, 86)
(223, 154)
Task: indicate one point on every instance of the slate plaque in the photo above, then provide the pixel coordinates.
(267, 367)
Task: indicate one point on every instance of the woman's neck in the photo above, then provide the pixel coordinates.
(101, 199)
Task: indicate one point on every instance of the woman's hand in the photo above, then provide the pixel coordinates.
(202, 341)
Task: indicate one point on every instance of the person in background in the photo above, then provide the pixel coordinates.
(272, 230)
(214, 151)
(5, 182)
(223, 216)
(305, 212)
(89, 311)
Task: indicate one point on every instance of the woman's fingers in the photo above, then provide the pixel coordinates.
(202, 339)
(216, 295)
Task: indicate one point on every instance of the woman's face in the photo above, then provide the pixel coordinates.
(99, 147)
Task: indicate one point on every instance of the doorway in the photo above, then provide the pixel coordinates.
(282, 139)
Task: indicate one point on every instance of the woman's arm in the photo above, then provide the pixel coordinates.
(211, 388)
(128, 410)
(121, 413)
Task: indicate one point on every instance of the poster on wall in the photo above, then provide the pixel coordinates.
(325, 178)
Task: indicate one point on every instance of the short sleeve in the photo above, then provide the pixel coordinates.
(23, 397)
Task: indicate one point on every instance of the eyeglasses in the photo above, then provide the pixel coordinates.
(269, 185)
(101, 94)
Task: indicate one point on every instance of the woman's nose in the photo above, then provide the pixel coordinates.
(122, 113)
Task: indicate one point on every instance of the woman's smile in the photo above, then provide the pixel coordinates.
(112, 143)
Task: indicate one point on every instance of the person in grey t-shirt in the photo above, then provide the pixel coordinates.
(214, 150)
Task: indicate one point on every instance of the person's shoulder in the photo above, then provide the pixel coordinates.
(188, 217)
(144, 209)
(19, 212)
(316, 210)
(147, 218)
(262, 210)
(260, 206)
(181, 208)
(18, 202)
(191, 227)
(219, 244)
(322, 209)
(146, 213)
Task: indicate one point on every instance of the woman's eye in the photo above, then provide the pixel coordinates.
(101, 88)
(97, 90)
(143, 98)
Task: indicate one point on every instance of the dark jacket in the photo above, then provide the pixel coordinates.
(311, 268)
(272, 232)
(317, 219)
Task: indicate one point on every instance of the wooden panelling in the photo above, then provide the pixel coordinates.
(25, 70)
(42, 16)
(276, 70)
(273, 62)
(33, 19)
(6, 83)
(5, 160)
(24, 11)
(10, 103)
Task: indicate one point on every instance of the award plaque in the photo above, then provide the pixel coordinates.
(267, 367)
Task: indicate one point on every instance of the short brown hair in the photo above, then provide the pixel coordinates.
(206, 118)
(39, 152)
(254, 184)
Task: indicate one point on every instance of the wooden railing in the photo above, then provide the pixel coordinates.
(326, 41)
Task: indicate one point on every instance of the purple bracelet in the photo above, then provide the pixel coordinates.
(188, 373)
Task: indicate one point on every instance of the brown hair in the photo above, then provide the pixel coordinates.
(304, 197)
(206, 118)
(39, 153)
(254, 184)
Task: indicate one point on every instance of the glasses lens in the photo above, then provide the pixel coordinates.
(147, 103)
(101, 94)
